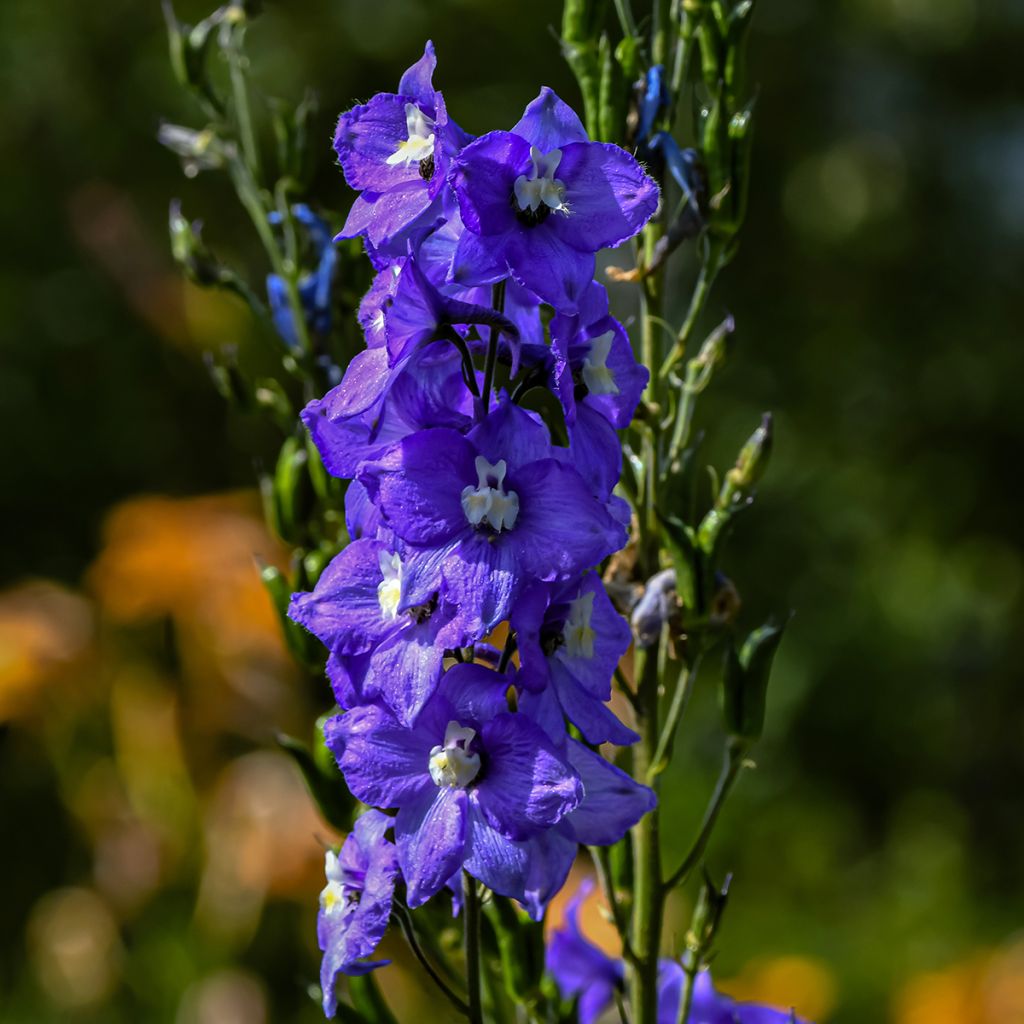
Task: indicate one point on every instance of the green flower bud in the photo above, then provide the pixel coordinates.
(745, 681)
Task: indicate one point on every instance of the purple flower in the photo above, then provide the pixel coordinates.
(570, 639)
(498, 507)
(314, 287)
(371, 600)
(376, 406)
(355, 905)
(467, 777)
(396, 150)
(539, 201)
(581, 969)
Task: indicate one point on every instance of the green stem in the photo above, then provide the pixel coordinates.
(235, 32)
(627, 22)
(602, 865)
(491, 362)
(705, 279)
(471, 915)
(405, 923)
(731, 768)
(680, 700)
(648, 893)
(686, 996)
(684, 414)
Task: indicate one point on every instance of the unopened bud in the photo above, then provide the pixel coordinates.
(752, 460)
(198, 150)
(745, 681)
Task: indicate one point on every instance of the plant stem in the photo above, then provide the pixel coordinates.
(680, 700)
(471, 914)
(234, 33)
(602, 866)
(405, 923)
(731, 767)
(642, 974)
(686, 996)
(705, 279)
(491, 362)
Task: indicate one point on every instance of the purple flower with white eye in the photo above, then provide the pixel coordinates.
(372, 600)
(396, 150)
(540, 200)
(355, 905)
(466, 777)
(498, 507)
(570, 639)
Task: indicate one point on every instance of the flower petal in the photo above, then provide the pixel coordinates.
(550, 123)
(430, 832)
(613, 802)
(483, 177)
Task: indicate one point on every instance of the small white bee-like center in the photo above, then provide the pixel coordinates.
(420, 144)
(389, 590)
(489, 500)
(541, 185)
(452, 764)
(336, 897)
(599, 379)
(577, 633)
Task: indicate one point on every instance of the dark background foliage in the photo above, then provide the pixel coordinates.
(877, 850)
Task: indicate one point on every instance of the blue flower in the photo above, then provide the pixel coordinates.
(355, 905)
(396, 150)
(540, 200)
(498, 508)
(469, 780)
(314, 287)
(582, 970)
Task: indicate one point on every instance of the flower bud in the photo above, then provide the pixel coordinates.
(199, 151)
(752, 460)
(745, 681)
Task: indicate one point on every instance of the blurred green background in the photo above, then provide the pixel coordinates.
(160, 861)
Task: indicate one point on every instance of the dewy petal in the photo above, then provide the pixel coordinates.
(613, 802)
(343, 611)
(419, 489)
(430, 832)
(552, 853)
(478, 260)
(477, 693)
(417, 82)
(557, 272)
(483, 177)
(483, 578)
(595, 720)
(563, 527)
(528, 785)
(493, 859)
(388, 220)
(406, 667)
(549, 123)
(366, 136)
(512, 433)
(610, 196)
(384, 763)
(596, 450)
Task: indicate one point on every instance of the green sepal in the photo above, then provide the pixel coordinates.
(745, 681)
(328, 791)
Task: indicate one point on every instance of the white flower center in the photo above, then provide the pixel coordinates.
(489, 500)
(541, 185)
(578, 636)
(452, 764)
(420, 144)
(389, 590)
(336, 898)
(596, 375)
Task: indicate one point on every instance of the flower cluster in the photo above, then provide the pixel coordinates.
(467, 521)
(587, 974)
